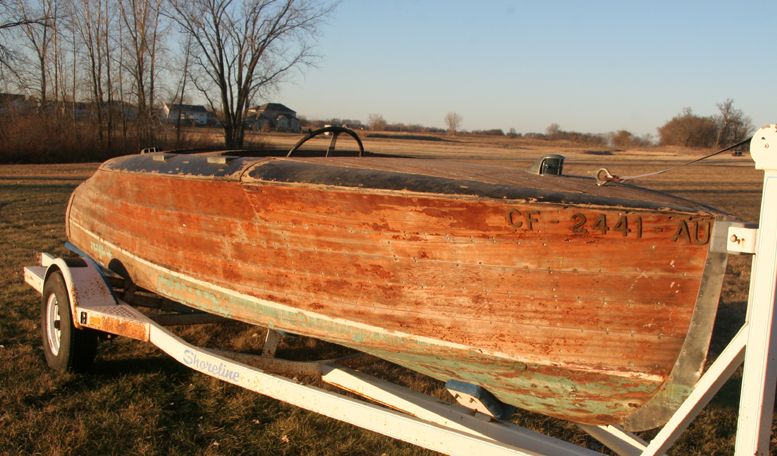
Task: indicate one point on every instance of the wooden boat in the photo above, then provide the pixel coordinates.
(588, 303)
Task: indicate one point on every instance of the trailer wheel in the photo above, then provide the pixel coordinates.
(66, 347)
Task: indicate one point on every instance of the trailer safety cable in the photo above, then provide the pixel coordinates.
(603, 175)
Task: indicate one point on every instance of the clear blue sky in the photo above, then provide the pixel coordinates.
(588, 66)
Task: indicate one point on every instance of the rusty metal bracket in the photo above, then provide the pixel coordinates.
(733, 237)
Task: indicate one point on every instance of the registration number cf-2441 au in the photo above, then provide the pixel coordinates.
(690, 231)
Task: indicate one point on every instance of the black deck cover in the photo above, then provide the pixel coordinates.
(442, 177)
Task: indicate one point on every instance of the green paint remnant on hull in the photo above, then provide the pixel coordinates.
(101, 251)
(546, 389)
(552, 390)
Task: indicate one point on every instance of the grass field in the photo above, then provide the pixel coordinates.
(135, 400)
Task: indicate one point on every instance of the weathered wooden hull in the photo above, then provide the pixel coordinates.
(588, 304)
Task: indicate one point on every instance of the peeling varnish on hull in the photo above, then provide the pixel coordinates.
(459, 287)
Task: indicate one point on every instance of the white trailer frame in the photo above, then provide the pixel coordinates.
(453, 429)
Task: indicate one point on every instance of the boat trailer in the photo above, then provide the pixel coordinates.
(87, 296)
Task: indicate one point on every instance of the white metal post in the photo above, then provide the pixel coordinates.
(760, 371)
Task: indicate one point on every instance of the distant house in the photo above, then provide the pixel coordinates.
(11, 103)
(213, 118)
(78, 110)
(123, 109)
(275, 116)
(193, 114)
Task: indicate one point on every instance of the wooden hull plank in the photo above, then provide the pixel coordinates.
(573, 303)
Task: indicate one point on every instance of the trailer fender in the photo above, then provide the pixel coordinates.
(86, 285)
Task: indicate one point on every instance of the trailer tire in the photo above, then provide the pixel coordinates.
(66, 347)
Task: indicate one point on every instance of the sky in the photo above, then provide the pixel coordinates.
(589, 66)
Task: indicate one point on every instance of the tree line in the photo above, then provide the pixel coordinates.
(134, 55)
(730, 126)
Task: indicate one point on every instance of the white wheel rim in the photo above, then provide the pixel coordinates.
(53, 323)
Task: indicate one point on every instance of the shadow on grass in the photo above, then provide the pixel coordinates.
(598, 152)
(28, 186)
(729, 320)
(119, 367)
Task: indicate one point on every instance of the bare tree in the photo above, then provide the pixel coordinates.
(376, 122)
(554, 131)
(91, 20)
(12, 16)
(184, 74)
(74, 61)
(37, 22)
(733, 125)
(246, 48)
(622, 139)
(688, 130)
(143, 25)
(453, 122)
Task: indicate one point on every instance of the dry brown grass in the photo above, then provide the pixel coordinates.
(41, 139)
(135, 400)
